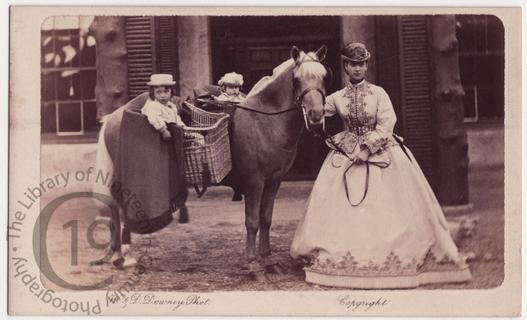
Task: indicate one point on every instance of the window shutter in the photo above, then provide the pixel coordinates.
(141, 53)
(387, 62)
(166, 46)
(416, 90)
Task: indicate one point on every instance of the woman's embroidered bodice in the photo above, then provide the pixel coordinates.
(368, 116)
(358, 120)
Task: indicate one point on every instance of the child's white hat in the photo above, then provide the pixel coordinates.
(161, 79)
(233, 79)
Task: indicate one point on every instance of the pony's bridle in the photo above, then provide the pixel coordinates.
(299, 101)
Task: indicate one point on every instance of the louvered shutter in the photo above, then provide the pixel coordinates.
(166, 45)
(416, 90)
(141, 53)
(387, 63)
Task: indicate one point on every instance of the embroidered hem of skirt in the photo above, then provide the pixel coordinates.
(389, 281)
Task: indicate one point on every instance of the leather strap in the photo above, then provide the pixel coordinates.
(367, 181)
(403, 147)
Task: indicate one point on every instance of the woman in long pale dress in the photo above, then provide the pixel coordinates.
(394, 237)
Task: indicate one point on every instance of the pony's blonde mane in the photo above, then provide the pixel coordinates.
(310, 70)
(265, 81)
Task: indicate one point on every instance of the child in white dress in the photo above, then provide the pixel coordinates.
(230, 85)
(158, 109)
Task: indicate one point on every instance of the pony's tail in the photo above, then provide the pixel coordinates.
(103, 164)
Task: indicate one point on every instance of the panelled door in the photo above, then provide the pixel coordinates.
(264, 43)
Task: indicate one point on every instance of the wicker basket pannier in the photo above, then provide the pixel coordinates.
(206, 145)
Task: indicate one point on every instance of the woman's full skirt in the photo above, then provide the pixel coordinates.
(396, 238)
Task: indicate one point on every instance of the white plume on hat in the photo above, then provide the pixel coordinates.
(161, 79)
(232, 78)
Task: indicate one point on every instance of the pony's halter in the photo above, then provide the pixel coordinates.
(300, 104)
(299, 101)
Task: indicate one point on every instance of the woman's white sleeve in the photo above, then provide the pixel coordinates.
(386, 118)
(330, 108)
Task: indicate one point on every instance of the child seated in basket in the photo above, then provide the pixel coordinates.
(158, 109)
(230, 85)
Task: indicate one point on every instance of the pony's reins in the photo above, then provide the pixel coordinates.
(298, 102)
(237, 106)
(327, 138)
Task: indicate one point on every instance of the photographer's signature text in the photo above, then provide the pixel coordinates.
(152, 299)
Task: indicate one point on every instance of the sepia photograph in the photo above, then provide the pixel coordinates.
(182, 155)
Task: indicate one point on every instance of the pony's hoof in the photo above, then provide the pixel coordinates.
(257, 272)
(183, 215)
(129, 262)
(101, 217)
(118, 263)
(274, 268)
(237, 197)
(111, 257)
(258, 276)
(98, 262)
(123, 263)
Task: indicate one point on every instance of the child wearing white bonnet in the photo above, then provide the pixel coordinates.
(230, 85)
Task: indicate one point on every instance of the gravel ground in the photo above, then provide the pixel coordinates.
(207, 254)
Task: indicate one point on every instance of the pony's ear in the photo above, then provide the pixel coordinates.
(321, 53)
(295, 53)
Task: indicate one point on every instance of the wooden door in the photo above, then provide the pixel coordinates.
(254, 47)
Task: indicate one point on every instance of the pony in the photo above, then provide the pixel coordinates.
(267, 127)
(265, 132)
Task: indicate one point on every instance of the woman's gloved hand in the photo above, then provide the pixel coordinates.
(362, 156)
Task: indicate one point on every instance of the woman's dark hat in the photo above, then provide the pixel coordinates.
(355, 52)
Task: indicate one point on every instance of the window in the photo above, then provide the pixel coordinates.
(68, 77)
(481, 63)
